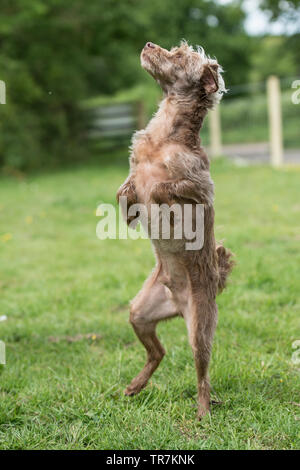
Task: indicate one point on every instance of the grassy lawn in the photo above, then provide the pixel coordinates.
(60, 390)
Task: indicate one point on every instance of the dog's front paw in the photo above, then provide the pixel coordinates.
(160, 193)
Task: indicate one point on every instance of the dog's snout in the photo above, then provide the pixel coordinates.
(151, 45)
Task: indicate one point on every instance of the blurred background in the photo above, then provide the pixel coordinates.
(75, 88)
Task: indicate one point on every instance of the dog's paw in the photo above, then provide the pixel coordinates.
(203, 409)
(131, 391)
(201, 413)
(160, 193)
(134, 388)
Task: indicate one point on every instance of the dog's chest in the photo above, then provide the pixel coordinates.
(146, 175)
(149, 167)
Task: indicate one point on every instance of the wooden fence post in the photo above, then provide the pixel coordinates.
(275, 121)
(215, 132)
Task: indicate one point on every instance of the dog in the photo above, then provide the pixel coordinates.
(167, 165)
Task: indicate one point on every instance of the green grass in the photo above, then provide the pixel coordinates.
(57, 280)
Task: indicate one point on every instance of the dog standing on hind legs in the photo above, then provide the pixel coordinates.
(169, 165)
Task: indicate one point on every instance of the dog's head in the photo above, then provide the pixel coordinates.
(184, 71)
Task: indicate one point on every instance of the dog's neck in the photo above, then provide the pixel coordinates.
(177, 119)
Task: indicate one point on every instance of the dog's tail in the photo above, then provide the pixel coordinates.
(225, 265)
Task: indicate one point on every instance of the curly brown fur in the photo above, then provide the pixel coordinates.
(169, 165)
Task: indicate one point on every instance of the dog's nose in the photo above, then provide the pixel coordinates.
(150, 44)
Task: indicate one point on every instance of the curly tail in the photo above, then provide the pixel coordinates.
(225, 265)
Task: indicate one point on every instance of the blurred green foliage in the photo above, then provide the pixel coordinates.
(280, 8)
(273, 57)
(56, 53)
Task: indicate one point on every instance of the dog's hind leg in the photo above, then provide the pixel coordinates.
(152, 304)
(201, 320)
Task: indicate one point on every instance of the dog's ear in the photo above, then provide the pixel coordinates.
(209, 78)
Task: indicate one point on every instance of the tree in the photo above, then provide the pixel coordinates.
(54, 53)
(288, 11)
(280, 8)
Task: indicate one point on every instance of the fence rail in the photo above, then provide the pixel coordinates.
(257, 122)
(116, 120)
(268, 118)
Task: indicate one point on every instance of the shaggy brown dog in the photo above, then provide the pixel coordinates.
(169, 165)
